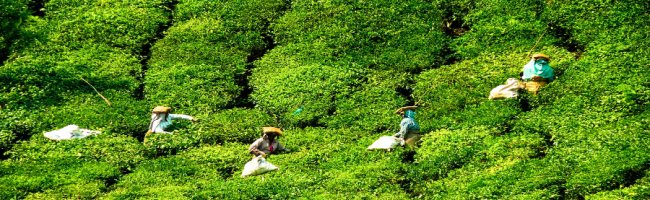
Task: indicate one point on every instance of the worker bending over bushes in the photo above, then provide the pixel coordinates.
(268, 143)
(409, 131)
(537, 73)
(161, 119)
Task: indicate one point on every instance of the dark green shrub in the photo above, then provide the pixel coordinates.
(588, 22)
(161, 144)
(40, 80)
(123, 24)
(194, 66)
(371, 34)
(178, 176)
(12, 15)
(61, 168)
(502, 26)
(639, 190)
(238, 16)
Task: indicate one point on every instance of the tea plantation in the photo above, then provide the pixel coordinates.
(239, 65)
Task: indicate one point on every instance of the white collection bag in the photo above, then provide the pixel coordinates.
(69, 132)
(385, 142)
(509, 90)
(257, 166)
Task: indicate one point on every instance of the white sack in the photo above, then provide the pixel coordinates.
(509, 90)
(385, 142)
(257, 166)
(69, 132)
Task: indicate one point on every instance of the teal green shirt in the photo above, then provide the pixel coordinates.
(537, 68)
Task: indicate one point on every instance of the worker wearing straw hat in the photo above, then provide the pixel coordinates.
(161, 119)
(537, 73)
(409, 128)
(268, 143)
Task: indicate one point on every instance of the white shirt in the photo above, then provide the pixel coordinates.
(161, 125)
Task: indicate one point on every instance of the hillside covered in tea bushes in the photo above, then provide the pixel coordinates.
(239, 65)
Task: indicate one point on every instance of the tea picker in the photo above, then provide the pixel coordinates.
(537, 73)
(268, 143)
(409, 132)
(161, 119)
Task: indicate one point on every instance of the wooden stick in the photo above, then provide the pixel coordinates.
(100, 94)
(536, 42)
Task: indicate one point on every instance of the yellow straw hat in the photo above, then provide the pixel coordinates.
(543, 56)
(161, 109)
(402, 109)
(266, 130)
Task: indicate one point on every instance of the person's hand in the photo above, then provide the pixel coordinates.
(263, 154)
(195, 120)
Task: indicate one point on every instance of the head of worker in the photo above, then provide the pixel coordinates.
(158, 115)
(407, 112)
(160, 112)
(540, 59)
(270, 133)
(538, 67)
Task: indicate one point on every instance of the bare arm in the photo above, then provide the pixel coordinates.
(253, 148)
(181, 116)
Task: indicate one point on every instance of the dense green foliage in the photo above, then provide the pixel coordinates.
(240, 65)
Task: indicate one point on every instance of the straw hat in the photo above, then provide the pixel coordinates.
(161, 109)
(266, 130)
(540, 55)
(402, 109)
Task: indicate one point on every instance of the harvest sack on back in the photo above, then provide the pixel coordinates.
(509, 90)
(69, 132)
(257, 166)
(385, 142)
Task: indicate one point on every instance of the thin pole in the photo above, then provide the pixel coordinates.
(100, 94)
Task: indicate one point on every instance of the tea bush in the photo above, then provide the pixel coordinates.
(347, 65)
(56, 168)
(313, 87)
(372, 34)
(503, 26)
(192, 55)
(233, 125)
(127, 25)
(12, 15)
(372, 107)
(177, 176)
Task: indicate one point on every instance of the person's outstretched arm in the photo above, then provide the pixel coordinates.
(403, 128)
(181, 116)
(254, 150)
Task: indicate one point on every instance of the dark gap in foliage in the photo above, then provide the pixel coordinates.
(380, 129)
(242, 80)
(406, 91)
(21, 133)
(244, 100)
(453, 23)
(110, 181)
(408, 156)
(562, 190)
(406, 183)
(566, 40)
(524, 101)
(548, 144)
(145, 54)
(37, 7)
(449, 56)
(632, 175)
